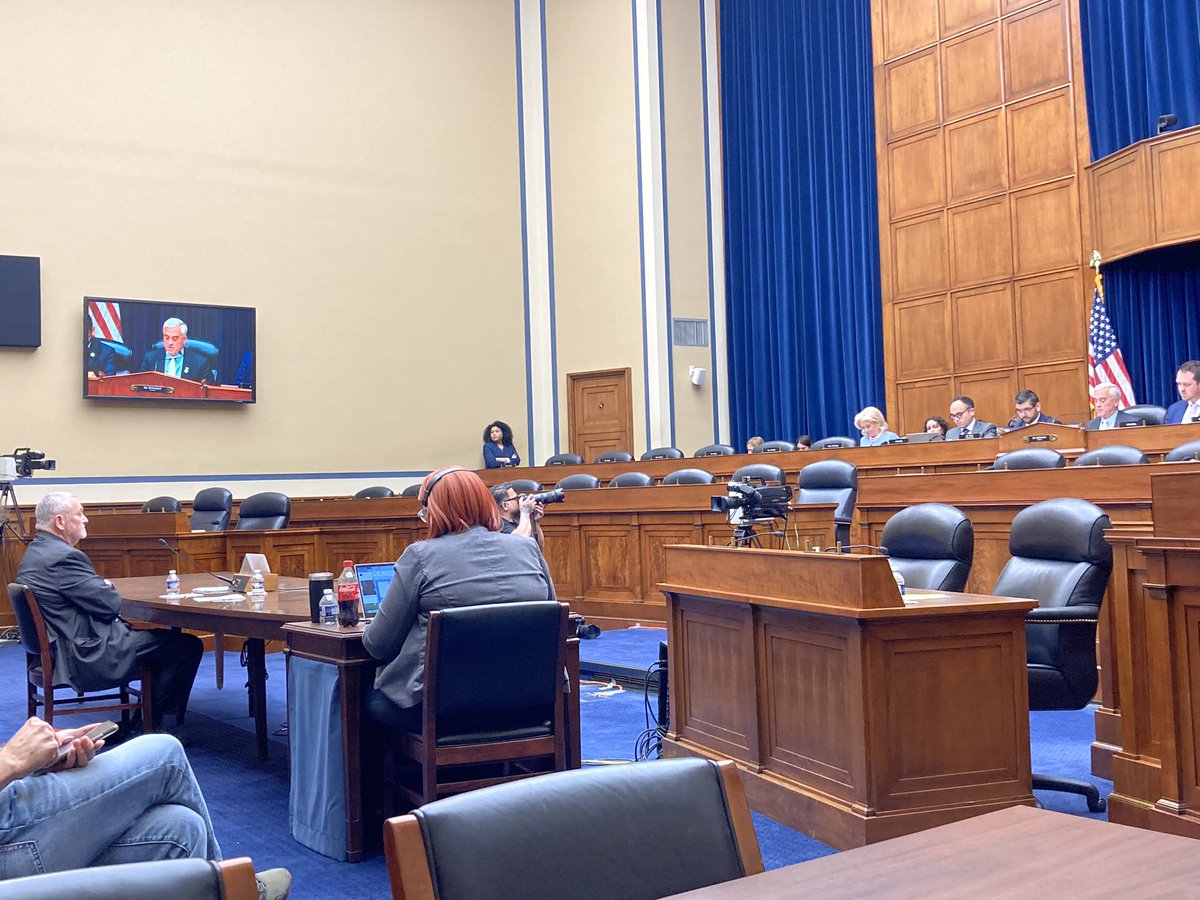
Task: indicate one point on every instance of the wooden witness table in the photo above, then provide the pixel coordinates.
(852, 715)
(1019, 852)
(257, 622)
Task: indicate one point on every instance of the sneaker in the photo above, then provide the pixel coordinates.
(273, 884)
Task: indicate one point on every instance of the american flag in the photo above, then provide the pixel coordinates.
(1105, 363)
(106, 317)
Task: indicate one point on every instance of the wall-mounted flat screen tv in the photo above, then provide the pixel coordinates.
(160, 350)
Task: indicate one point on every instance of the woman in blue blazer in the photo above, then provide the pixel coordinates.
(498, 449)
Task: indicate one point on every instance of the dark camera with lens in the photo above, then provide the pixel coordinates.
(23, 462)
(584, 630)
(745, 501)
(547, 497)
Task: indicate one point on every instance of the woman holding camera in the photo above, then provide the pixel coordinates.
(466, 561)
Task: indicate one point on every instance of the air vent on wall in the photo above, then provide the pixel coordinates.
(689, 332)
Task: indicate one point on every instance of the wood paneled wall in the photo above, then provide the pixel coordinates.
(980, 141)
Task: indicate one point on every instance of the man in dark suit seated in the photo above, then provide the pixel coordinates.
(94, 648)
(1105, 397)
(1029, 412)
(100, 357)
(174, 358)
(1186, 409)
(962, 411)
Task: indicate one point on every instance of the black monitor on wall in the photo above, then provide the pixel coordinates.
(153, 350)
(20, 301)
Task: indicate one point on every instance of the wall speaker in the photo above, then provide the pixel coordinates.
(20, 301)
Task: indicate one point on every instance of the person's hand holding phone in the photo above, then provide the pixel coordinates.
(78, 746)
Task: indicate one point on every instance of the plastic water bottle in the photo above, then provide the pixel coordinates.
(328, 608)
(258, 585)
(899, 581)
(172, 583)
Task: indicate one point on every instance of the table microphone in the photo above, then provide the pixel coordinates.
(844, 548)
(180, 551)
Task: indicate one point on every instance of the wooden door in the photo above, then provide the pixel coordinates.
(599, 412)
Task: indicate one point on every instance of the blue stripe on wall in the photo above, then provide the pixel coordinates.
(712, 287)
(531, 449)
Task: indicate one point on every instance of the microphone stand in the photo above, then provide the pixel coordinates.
(234, 583)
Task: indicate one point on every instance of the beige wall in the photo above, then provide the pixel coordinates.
(350, 170)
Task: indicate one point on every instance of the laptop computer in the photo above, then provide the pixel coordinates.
(373, 581)
(923, 437)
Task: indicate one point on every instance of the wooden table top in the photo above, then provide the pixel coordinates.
(1016, 852)
(142, 598)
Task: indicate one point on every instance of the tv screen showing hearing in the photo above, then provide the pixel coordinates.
(162, 351)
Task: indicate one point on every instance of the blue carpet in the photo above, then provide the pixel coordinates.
(249, 799)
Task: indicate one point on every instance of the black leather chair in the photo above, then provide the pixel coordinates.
(632, 479)
(714, 450)
(662, 453)
(1113, 455)
(378, 492)
(1029, 458)
(689, 476)
(578, 481)
(932, 545)
(565, 459)
(493, 698)
(59, 698)
(834, 443)
(1060, 559)
(831, 481)
(1184, 452)
(413, 490)
(614, 456)
(764, 472)
(525, 485)
(211, 509)
(651, 829)
(180, 879)
(1149, 413)
(774, 447)
(268, 511)
(162, 504)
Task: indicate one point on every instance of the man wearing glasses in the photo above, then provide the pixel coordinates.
(1029, 412)
(962, 413)
(519, 514)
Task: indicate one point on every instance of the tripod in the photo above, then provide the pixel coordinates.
(10, 509)
(744, 534)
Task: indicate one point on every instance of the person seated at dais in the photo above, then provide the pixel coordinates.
(755, 441)
(1105, 398)
(175, 358)
(1186, 409)
(874, 428)
(962, 411)
(1028, 410)
(465, 561)
(937, 425)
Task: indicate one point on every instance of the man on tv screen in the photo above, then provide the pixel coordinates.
(174, 358)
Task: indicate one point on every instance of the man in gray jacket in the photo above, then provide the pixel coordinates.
(94, 648)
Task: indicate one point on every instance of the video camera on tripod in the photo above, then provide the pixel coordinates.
(746, 505)
(22, 463)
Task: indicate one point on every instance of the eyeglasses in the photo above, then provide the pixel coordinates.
(1024, 409)
(959, 415)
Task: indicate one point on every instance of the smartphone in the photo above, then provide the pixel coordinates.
(98, 732)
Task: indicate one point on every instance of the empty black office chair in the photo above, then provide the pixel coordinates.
(522, 839)
(764, 472)
(774, 447)
(1029, 458)
(831, 481)
(211, 509)
(834, 443)
(1060, 559)
(525, 485)
(162, 504)
(378, 492)
(54, 696)
(689, 476)
(1188, 451)
(932, 545)
(663, 453)
(565, 459)
(714, 450)
(268, 511)
(412, 490)
(1114, 455)
(1149, 413)
(614, 456)
(632, 479)
(578, 481)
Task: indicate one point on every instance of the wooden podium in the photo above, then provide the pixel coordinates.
(1156, 773)
(144, 385)
(854, 716)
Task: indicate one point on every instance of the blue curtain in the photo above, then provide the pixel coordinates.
(801, 224)
(1154, 304)
(1141, 59)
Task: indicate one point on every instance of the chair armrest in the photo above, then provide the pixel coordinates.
(1063, 615)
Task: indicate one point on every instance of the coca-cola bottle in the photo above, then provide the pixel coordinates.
(346, 591)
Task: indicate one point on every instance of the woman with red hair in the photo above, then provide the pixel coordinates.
(465, 561)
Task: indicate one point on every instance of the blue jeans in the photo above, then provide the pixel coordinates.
(136, 802)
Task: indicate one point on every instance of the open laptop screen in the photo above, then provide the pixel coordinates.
(373, 581)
